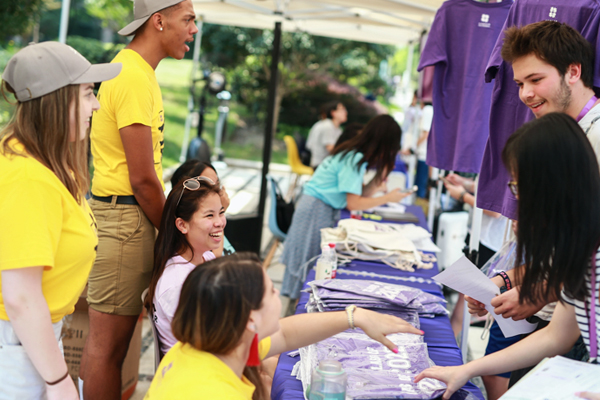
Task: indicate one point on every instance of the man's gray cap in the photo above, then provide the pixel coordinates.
(142, 10)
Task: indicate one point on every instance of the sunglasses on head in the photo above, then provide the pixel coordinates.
(194, 184)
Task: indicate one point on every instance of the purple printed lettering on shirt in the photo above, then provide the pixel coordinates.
(374, 372)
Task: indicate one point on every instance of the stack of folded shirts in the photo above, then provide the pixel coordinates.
(373, 371)
(403, 301)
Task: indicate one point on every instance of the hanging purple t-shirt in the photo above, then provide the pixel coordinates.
(507, 112)
(461, 39)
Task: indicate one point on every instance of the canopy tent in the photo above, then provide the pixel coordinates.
(378, 21)
(395, 22)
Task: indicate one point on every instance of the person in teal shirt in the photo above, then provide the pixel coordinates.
(338, 184)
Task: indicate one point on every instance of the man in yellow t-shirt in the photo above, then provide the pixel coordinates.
(188, 373)
(127, 189)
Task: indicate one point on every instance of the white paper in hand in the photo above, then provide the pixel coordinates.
(464, 277)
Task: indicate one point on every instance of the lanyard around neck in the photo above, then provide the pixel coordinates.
(587, 108)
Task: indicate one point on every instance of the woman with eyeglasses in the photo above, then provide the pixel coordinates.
(48, 233)
(228, 321)
(338, 184)
(191, 226)
(558, 236)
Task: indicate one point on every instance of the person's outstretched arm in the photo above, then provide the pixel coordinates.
(557, 338)
(356, 202)
(304, 329)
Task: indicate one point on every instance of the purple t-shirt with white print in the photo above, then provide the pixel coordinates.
(507, 112)
(461, 39)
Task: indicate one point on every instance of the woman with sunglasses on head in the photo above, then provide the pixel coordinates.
(191, 226)
(196, 167)
(47, 231)
(229, 321)
(338, 184)
(558, 236)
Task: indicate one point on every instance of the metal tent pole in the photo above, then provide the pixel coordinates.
(269, 128)
(64, 21)
(190, 104)
(473, 255)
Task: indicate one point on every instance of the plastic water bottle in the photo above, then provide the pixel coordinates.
(328, 381)
(333, 259)
(324, 264)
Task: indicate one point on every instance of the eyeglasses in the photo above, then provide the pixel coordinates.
(194, 184)
(514, 188)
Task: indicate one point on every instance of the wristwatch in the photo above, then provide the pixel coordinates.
(350, 313)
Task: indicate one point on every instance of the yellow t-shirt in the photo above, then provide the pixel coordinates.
(186, 373)
(41, 224)
(133, 97)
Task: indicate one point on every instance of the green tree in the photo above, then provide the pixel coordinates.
(17, 17)
(114, 14)
(310, 66)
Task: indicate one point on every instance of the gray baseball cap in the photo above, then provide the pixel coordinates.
(142, 10)
(42, 68)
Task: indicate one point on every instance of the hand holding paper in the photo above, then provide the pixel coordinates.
(464, 277)
(507, 304)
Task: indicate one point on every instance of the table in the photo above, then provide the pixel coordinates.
(439, 336)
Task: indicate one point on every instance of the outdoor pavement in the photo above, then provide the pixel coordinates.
(242, 181)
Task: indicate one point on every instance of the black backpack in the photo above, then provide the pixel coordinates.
(284, 211)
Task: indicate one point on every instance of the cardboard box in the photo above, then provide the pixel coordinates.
(75, 331)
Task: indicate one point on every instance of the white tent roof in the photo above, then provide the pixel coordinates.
(377, 21)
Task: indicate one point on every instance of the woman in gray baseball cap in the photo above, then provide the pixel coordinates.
(48, 233)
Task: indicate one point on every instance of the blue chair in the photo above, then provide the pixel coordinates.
(278, 235)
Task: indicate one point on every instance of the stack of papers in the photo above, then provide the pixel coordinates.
(557, 378)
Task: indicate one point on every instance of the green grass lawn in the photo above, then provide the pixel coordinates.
(173, 78)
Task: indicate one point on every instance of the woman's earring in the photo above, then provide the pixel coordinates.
(161, 28)
(253, 356)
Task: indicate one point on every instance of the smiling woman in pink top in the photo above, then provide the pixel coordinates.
(192, 225)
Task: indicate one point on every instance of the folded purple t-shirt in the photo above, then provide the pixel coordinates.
(376, 373)
(387, 294)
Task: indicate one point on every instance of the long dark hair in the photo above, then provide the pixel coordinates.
(559, 205)
(170, 240)
(219, 296)
(379, 142)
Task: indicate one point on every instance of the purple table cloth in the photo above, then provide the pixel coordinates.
(439, 337)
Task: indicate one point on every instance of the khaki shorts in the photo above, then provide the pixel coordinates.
(124, 259)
